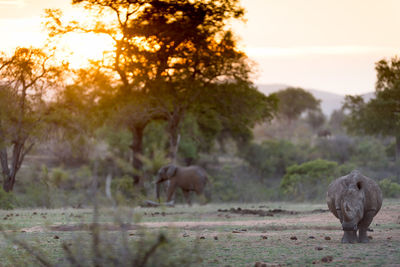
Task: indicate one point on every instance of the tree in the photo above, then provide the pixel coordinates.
(168, 52)
(294, 101)
(239, 107)
(315, 118)
(381, 115)
(26, 77)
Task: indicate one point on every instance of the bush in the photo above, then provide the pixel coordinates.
(340, 148)
(309, 180)
(58, 177)
(271, 158)
(238, 183)
(7, 200)
(389, 188)
(369, 152)
(123, 188)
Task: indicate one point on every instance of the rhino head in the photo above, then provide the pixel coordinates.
(352, 206)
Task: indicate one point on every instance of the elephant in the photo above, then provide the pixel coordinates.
(355, 200)
(191, 178)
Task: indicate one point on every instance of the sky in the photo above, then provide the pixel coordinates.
(327, 45)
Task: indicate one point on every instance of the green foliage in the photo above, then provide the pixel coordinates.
(224, 186)
(59, 177)
(380, 116)
(370, 152)
(389, 188)
(7, 200)
(340, 148)
(294, 101)
(315, 118)
(231, 182)
(123, 188)
(336, 121)
(118, 140)
(272, 158)
(308, 181)
(239, 107)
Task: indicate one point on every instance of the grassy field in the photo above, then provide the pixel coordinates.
(215, 234)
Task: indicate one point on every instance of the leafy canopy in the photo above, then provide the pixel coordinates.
(294, 101)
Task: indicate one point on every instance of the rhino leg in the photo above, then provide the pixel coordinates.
(363, 226)
(349, 237)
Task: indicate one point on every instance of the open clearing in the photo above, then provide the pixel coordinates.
(225, 234)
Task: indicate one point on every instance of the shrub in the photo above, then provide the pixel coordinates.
(7, 200)
(389, 188)
(272, 158)
(308, 181)
(340, 148)
(369, 152)
(59, 178)
(123, 188)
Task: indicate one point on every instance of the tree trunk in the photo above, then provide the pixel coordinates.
(7, 179)
(137, 149)
(16, 161)
(174, 136)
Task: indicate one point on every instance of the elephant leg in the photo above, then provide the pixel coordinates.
(186, 194)
(363, 226)
(349, 237)
(170, 192)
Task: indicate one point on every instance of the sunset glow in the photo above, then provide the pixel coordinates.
(325, 45)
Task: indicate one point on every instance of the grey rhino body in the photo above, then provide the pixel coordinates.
(355, 200)
(188, 179)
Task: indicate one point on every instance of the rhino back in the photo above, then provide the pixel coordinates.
(373, 194)
(336, 190)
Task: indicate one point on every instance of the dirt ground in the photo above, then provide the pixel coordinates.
(235, 235)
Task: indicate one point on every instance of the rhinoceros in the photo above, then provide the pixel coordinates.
(355, 200)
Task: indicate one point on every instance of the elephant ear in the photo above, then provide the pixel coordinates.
(171, 171)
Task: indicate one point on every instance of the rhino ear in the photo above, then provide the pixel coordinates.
(359, 185)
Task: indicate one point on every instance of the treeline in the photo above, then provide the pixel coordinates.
(176, 88)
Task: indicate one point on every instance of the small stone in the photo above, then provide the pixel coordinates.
(185, 235)
(293, 238)
(389, 237)
(202, 237)
(34, 213)
(236, 231)
(311, 237)
(264, 237)
(319, 248)
(215, 237)
(131, 234)
(370, 237)
(327, 238)
(56, 237)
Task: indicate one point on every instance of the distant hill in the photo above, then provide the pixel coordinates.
(329, 101)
